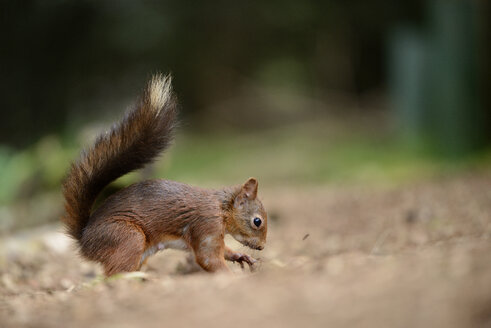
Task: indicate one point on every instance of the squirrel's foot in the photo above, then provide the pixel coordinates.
(241, 258)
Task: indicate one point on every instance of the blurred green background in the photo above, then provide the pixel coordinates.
(292, 92)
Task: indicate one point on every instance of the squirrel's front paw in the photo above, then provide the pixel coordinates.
(241, 258)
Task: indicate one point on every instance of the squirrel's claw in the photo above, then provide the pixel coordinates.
(241, 258)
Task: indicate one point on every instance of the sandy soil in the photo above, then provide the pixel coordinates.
(407, 256)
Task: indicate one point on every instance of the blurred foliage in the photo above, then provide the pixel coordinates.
(68, 62)
(440, 77)
(308, 153)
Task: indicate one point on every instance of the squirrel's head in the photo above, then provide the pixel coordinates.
(249, 224)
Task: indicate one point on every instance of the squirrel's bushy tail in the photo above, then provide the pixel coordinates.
(133, 142)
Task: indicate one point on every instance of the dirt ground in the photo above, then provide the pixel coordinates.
(417, 255)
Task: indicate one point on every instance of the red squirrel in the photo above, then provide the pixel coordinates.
(152, 215)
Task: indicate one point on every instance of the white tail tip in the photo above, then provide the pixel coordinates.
(160, 90)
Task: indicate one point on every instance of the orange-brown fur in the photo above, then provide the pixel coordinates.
(148, 214)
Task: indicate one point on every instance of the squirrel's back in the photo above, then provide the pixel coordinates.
(136, 140)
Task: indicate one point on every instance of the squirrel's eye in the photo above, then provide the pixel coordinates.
(257, 222)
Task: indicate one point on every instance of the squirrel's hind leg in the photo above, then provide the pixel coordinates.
(117, 244)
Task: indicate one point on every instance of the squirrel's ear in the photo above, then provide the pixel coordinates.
(249, 189)
(247, 192)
